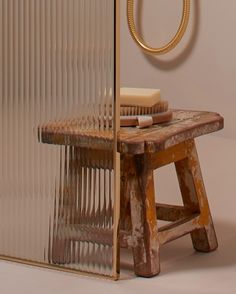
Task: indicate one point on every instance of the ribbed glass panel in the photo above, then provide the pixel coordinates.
(57, 133)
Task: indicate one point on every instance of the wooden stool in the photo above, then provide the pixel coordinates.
(143, 151)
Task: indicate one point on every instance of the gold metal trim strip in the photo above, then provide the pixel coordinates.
(116, 212)
(55, 267)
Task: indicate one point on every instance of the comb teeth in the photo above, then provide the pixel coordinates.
(161, 106)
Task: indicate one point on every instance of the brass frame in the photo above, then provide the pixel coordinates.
(116, 247)
(171, 44)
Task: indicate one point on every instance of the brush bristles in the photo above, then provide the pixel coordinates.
(161, 106)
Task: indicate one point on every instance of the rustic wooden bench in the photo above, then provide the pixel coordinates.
(142, 151)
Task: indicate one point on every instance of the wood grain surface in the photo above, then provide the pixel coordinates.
(185, 125)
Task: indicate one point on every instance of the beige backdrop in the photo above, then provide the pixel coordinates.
(201, 72)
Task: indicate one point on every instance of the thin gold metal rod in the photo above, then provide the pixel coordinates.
(169, 46)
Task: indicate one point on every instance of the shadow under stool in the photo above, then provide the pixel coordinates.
(143, 151)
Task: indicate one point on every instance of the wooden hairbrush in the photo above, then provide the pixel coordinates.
(145, 116)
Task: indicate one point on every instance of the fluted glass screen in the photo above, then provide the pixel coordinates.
(57, 133)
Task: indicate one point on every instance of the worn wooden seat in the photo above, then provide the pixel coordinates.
(143, 151)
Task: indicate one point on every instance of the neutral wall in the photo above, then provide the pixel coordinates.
(201, 72)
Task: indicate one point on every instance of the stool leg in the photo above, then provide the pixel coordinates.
(143, 216)
(125, 213)
(61, 246)
(195, 198)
